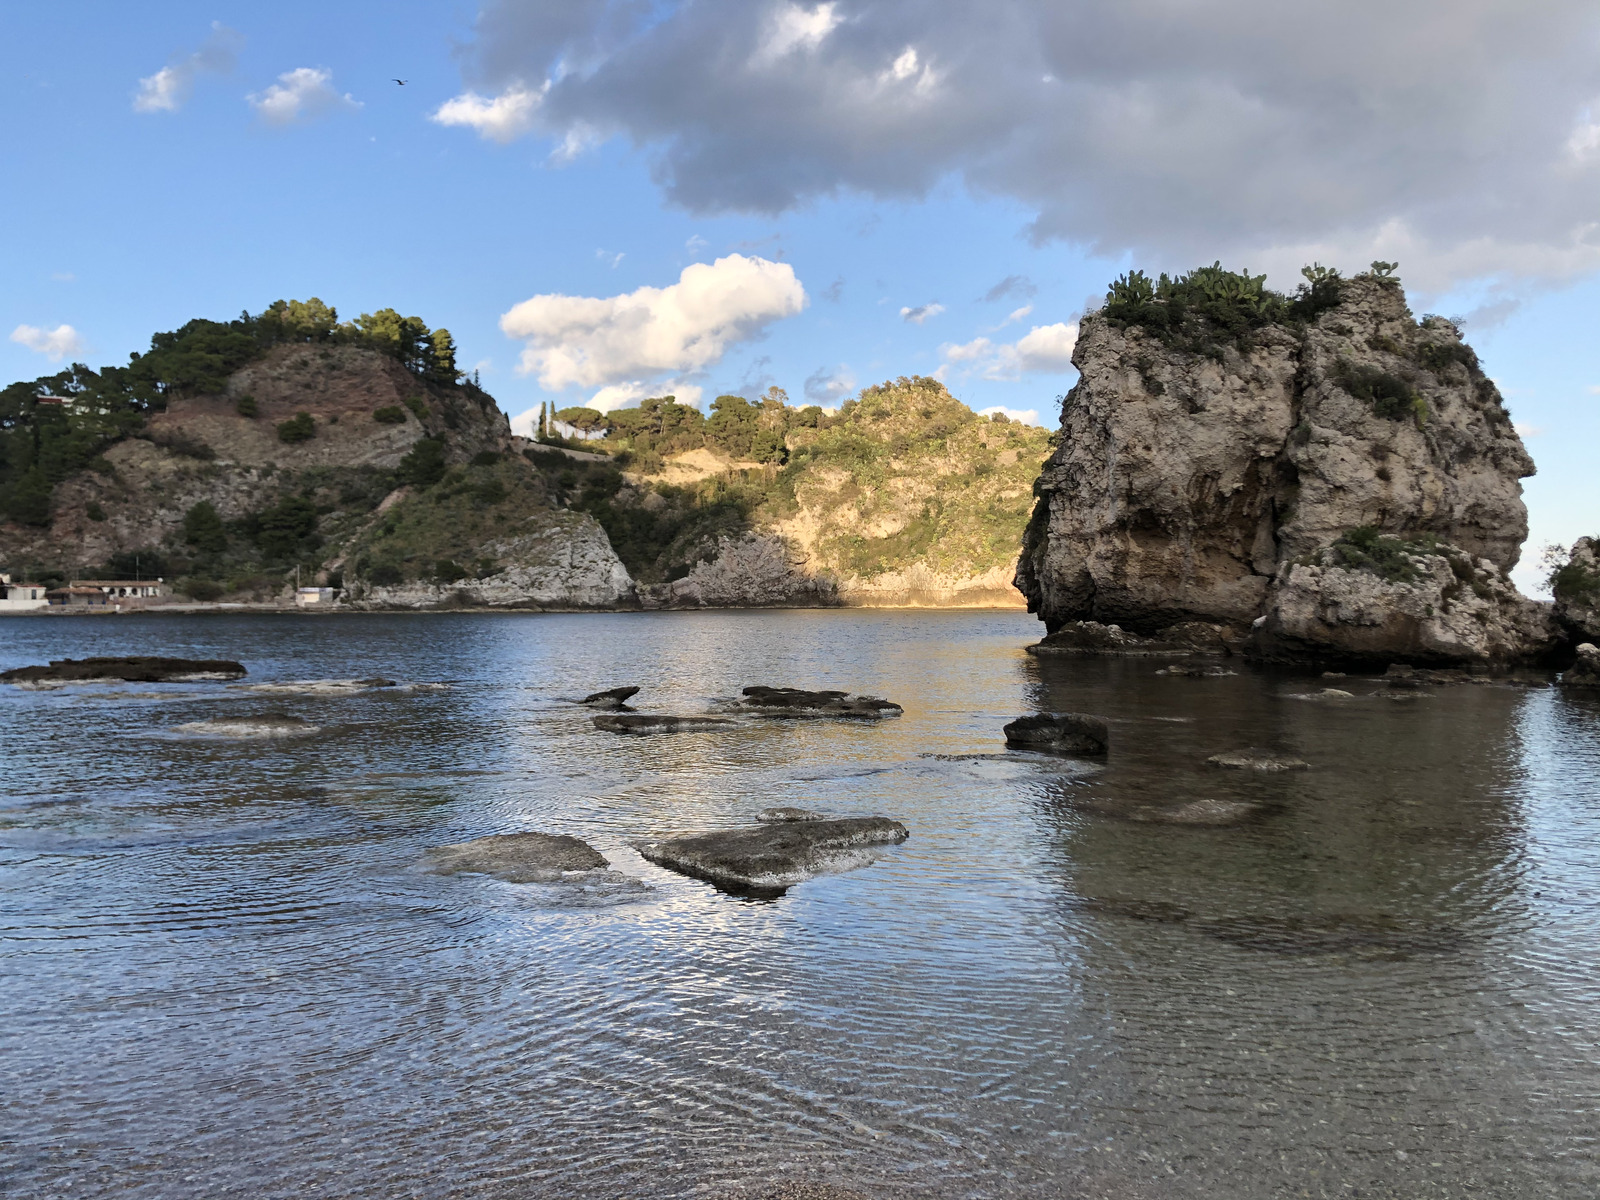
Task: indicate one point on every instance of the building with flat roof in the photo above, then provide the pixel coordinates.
(126, 589)
(20, 597)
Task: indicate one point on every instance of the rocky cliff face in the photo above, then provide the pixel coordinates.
(1210, 483)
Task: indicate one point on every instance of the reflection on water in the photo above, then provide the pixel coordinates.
(228, 971)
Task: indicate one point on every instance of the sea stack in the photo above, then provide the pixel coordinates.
(1316, 478)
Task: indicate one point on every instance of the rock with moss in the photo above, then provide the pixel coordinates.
(1585, 670)
(1220, 435)
(1575, 585)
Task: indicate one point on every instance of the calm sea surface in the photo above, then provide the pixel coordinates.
(226, 971)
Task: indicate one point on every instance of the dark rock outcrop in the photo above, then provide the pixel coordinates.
(519, 857)
(798, 702)
(1209, 477)
(132, 669)
(615, 698)
(1077, 734)
(1585, 672)
(653, 723)
(769, 858)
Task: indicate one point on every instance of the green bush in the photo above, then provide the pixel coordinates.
(424, 465)
(1575, 582)
(385, 574)
(246, 406)
(1384, 555)
(203, 590)
(447, 571)
(1389, 395)
(485, 458)
(287, 529)
(203, 529)
(94, 512)
(389, 414)
(298, 428)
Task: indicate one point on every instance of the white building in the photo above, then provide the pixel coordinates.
(127, 589)
(314, 597)
(21, 597)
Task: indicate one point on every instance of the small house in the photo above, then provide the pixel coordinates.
(314, 597)
(74, 596)
(126, 589)
(20, 597)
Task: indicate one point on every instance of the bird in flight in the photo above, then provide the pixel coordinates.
(401, 82)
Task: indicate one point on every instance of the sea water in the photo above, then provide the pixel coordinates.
(226, 970)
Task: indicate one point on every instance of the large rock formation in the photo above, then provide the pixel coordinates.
(1576, 587)
(1208, 474)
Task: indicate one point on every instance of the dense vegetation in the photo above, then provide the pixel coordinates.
(58, 424)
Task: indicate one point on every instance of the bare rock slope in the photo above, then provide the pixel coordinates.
(1342, 483)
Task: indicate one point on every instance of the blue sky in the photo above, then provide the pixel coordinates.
(121, 222)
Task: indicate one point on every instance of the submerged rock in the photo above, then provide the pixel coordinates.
(769, 858)
(1585, 672)
(1196, 671)
(1076, 734)
(654, 723)
(798, 702)
(1257, 760)
(323, 687)
(1335, 933)
(777, 816)
(1205, 812)
(616, 698)
(131, 669)
(267, 725)
(519, 857)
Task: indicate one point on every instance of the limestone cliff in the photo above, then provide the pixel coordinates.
(1208, 461)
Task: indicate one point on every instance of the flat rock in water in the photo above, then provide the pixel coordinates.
(268, 725)
(769, 858)
(651, 723)
(616, 698)
(132, 669)
(1255, 760)
(1196, 670)
(777, 816)
(519, 857)
(798, 702)
(322, 687)
(1077, 734)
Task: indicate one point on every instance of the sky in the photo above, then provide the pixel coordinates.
(608, 199)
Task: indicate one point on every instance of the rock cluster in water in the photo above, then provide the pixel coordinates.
(774, 855)
(798, 702)
(1344, 487)
(129, 669)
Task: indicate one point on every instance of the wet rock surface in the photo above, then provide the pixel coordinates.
(769, 858)
(1077, 734)
(777, 816)
(1093, 637)
(1257, 760)
(615, 698)
(1585, 672)
(654, 723)
(518, 857)
(131, 669)
(764, 701)
(267, 725)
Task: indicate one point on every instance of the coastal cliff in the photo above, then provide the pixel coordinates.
(1315, 478)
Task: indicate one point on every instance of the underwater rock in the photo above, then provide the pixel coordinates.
(322, 687)
(798, 702)
(615, 698)
(518, 857)
(1206, 812)
(769, 858)
(1060, 733)
(1257, 760)
(777, 816)
(267, 725)
(1375, 934)
(1196, 671)
(654, 723)
(130, 669)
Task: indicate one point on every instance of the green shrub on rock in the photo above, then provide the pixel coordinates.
(298, 428)
(389, 414)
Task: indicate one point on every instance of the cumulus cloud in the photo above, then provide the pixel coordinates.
(302, 94)
(169, 88)
(55, 344)
(1044, 349)
(503, 118)
(592, 341)
(920, 313)
(1266, 134)
(828, 385)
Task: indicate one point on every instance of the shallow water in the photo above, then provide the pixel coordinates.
(225, 969)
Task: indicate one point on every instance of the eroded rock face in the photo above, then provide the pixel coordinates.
(131, 669)
(1577, 591)
(773, 856)
(1187, 484)
(1585, 672)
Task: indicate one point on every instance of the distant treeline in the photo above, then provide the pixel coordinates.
(58, 424)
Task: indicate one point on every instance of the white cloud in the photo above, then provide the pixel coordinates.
(504, 118)
(695, 244)
(55, 344)
(168, 89)
(1525, 430)
(792, 29)
(1594, 389)
(1018, 313)
(610, 258)
(920, 313)
(592, 341)
(300, 95)
(1044, 349)
(826, 387)
(1027, 416)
